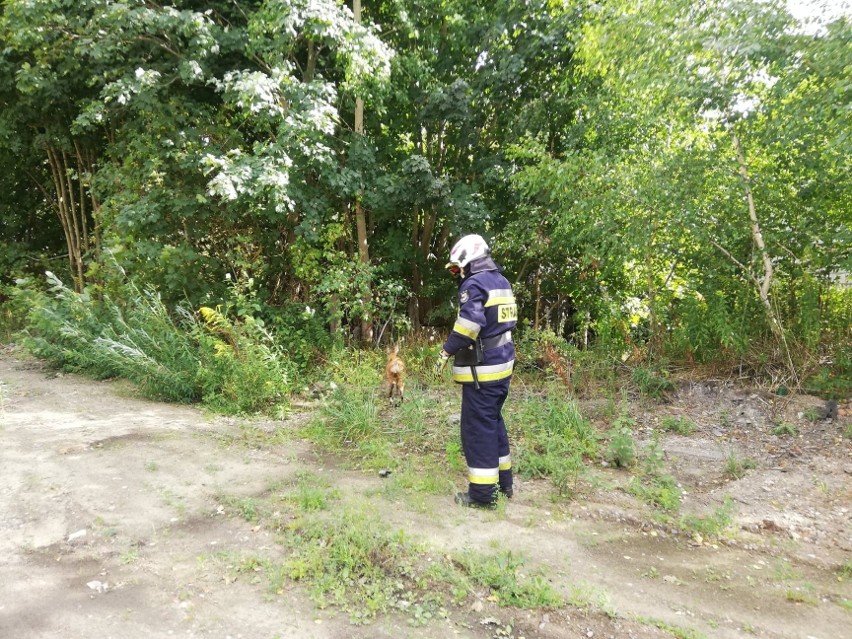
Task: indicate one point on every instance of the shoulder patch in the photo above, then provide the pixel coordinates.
(464, 297)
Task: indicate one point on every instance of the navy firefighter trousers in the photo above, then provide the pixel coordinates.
(485, 441)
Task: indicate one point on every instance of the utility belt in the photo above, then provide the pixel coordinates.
(474, 354)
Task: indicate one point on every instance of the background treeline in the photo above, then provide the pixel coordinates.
(222, 182)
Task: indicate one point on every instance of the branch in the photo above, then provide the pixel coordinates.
(40, 186)
(788, 251)
(728, 254)
(163, 45)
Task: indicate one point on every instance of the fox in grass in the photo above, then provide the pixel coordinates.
(395, 373)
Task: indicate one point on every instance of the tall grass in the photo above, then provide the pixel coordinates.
(175, 355)
(552, 438)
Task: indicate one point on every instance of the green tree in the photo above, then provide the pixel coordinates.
(468, 80)
(705, 126)
(214, 127)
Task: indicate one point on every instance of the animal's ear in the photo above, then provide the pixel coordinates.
(396, 349)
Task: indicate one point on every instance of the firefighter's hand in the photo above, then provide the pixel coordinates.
(441, 363)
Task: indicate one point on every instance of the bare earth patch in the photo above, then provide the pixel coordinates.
(116, 523)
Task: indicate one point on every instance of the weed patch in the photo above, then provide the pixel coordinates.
(310, 493)
(501, 574)
(712, 525)
(785, 429)
(350, 416)
(350, 562)
(253, 437)
(246, 508)
(552, 440)
(653, 384)
(783, 571)
(677, 424)
(587, 597)
(661, 491)
(415, 477)
(375, 435)
(654, 486)
(621, 450)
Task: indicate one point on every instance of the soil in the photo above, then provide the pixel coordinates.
(114, 524)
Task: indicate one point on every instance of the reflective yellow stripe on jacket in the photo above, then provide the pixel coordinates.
(499, 296)
(466, 327)
(484, 373)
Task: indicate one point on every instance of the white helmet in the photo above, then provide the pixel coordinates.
(467, 249)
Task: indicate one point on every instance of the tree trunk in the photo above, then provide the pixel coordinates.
(536, 320)
(74, 205)
(360, 217)
(764, 284)
(311, 66)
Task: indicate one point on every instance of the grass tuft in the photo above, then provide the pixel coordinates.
(736, 468)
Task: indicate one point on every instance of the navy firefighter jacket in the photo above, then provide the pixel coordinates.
(487, 310)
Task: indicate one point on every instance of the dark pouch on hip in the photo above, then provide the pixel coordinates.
(470, 356)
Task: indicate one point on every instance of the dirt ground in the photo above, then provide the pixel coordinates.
(112, 525)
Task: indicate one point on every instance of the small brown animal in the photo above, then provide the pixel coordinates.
(395, 372)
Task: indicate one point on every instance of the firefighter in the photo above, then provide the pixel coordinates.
(483, 357)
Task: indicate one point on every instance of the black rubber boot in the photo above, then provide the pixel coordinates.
(464, 499)
(508, 493)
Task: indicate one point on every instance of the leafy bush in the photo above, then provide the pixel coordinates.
(242, 369)
(134, 338)
(355, 367)
(302, 334)
(543, 352)
(12, 314)
(833, 379)
(651, 383)
(705, 325)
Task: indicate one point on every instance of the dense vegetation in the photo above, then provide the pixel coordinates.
(223, 191)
